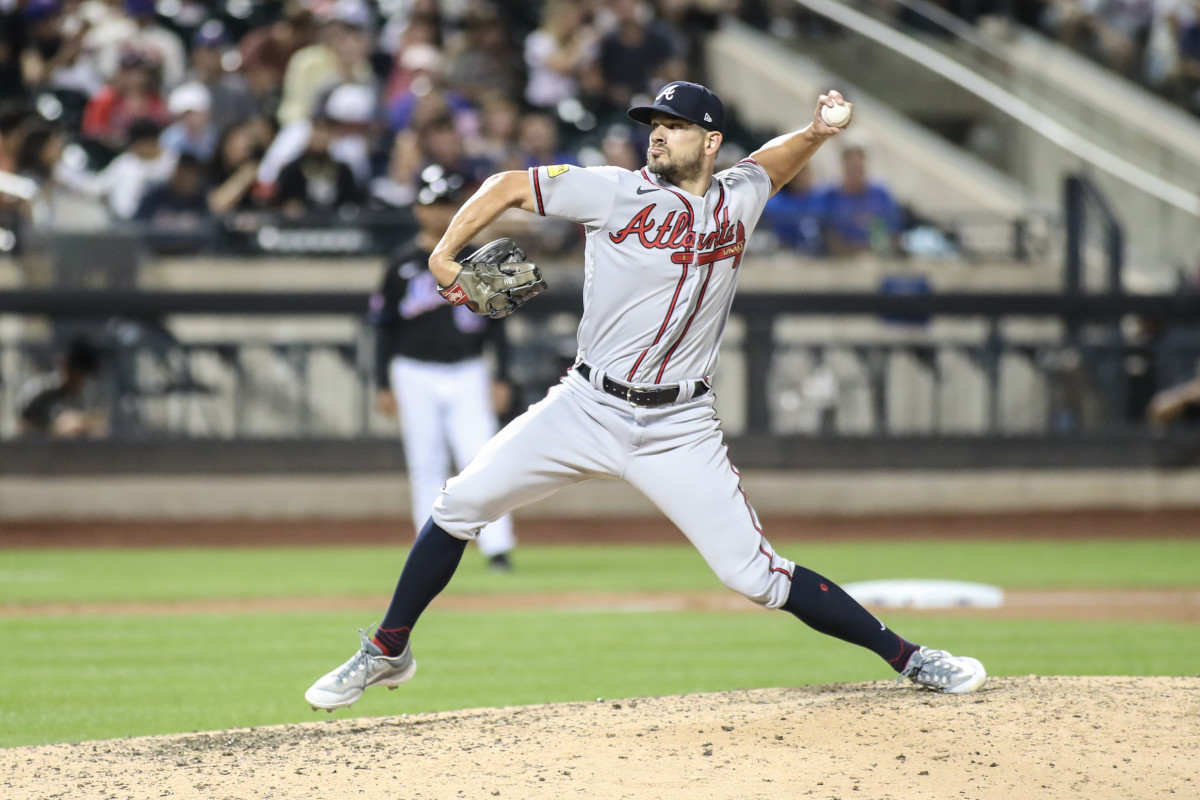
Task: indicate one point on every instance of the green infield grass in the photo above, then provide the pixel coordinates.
(175, 574)
(99, 674)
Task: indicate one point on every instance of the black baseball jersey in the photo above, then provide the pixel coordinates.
(412, 320)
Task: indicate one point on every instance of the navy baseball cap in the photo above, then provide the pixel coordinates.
(689, 101)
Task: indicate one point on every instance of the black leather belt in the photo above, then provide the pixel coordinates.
(641, 396)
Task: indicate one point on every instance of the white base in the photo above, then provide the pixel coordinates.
(925, 594)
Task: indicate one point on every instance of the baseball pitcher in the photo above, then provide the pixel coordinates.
(664, 245)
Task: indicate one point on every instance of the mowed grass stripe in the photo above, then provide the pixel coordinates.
(174, 575)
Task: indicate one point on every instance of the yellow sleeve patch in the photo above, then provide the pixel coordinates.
(556, 170)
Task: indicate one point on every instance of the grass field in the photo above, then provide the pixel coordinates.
(73, 677)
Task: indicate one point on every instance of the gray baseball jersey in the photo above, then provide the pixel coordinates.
(660, 265)
(660, 271)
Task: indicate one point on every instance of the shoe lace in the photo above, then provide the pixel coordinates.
(360, 660)
(929, 667)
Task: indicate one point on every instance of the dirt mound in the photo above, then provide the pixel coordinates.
(1058, 737)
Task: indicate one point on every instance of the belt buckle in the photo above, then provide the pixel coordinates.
(643, 390)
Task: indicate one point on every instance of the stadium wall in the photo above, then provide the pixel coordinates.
(383, 495)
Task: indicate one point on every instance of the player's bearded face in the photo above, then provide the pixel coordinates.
(676, 149)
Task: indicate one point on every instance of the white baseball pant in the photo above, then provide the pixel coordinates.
(445, 411)
(673, 454)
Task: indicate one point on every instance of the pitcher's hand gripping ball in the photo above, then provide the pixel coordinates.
(495, 280)
(837, 115)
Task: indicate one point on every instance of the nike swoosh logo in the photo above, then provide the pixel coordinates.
(645, 191)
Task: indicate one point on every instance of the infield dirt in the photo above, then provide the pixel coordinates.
(1025, 737)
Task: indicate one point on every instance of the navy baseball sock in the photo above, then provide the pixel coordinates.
(825, 607)
(431, 563)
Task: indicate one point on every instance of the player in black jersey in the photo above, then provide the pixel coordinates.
(430, 368)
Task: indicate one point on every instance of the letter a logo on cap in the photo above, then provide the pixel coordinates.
(668, 93)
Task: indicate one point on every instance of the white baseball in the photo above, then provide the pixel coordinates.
(836, 115)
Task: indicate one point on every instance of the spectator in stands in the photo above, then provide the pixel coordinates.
(538, 139)
(480, 59)
(1189, 60)
(497, 141)
(348, 114)
(341, 55)
(39, 152)
(395, 188)
(59, 404)
(637, 54)
(51, 58)
(233, 174)
(131, 94)
(422, 26)
(436, 141)
(595, 100)
(144, 165)
(137, 32)
(1173, 57)
(690, 22)
(1113, 31)
(63, 196)
(192, 131)
(795, 214)
(15, 118)
(424, 64)
(417, 21)
(316, 182)
(1160, 65)
(860, 215)
(232, 100)
(40, 149)
(182, 202)
(557, 53)
(617, 149)
(440, 142)
(266, 52)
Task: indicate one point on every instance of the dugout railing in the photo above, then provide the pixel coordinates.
(807, 380)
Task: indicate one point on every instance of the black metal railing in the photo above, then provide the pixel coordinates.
(833, 369)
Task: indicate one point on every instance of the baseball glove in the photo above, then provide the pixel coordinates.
(495, 280)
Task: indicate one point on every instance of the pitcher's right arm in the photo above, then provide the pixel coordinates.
(500, 192)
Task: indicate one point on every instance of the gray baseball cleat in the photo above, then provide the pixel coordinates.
(942, 672)
(368, 667)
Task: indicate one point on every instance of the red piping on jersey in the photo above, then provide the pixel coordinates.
(754, 521)
(678, 287)
(720, 205)
(662, 328)
(537, 190)
(736, 251)
(686, 327)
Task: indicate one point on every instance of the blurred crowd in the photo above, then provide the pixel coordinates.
(177, 111)
(1153, 42)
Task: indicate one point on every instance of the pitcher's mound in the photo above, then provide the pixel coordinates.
(1058, 737)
